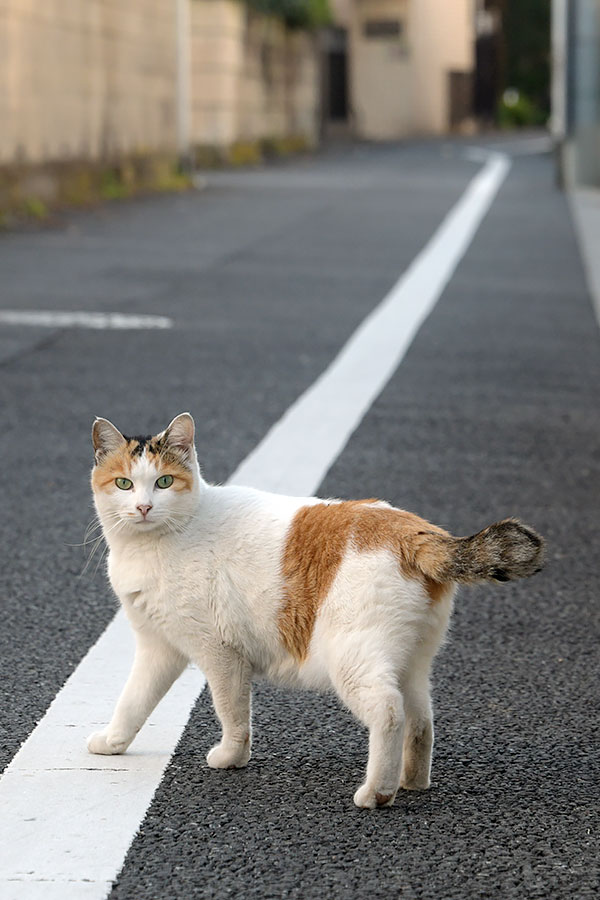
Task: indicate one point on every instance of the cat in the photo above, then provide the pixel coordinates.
(353, 596)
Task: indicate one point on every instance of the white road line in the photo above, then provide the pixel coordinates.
(56, 319)
(68, 818)
(300, 448)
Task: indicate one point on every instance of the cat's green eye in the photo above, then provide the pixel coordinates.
(164, 481)
(124, 483)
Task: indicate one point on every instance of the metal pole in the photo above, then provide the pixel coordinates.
(561, 101)
(184, 146)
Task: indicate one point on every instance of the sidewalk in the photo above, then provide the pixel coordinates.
(585, 209)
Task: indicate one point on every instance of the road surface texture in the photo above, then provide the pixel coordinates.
(494, 411)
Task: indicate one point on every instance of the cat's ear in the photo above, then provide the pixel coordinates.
(180, 433)
(105, 438)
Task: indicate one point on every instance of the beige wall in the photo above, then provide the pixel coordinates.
(86, 78)
(97, 79)
(399, 86)
(442, 39)
(380, 73)
(251, 78)
(341, 12)
(217, 50)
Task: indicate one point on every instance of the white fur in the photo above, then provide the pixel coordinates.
(201, 580)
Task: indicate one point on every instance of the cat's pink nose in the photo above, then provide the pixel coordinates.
(144, 508)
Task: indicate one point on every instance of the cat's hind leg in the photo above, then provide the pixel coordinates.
(416, 690)
(155, 667)
(229, 677)
(418, 729)
(373, 696)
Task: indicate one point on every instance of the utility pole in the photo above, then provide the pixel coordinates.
(559, 104)
(184, 144)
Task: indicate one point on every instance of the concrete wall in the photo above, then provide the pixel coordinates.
(576, 90)
(251, 78)
(98, 79)
(399, 84)
(89, 79)
(585, 92)
(443, 40)
(381, 72)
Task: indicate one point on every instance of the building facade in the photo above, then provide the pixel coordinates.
(410, 65)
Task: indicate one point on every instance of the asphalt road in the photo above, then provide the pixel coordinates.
(494, 411)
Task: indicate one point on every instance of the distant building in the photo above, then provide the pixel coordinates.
(576, 89)
(409, 64)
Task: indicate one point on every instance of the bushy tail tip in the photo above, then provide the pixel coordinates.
(501, 552)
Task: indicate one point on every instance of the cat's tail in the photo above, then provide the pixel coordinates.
(501, 552)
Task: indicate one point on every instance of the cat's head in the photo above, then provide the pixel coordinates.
(145, 483)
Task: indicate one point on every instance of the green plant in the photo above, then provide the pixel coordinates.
(244, 153)
(526, 28)
(36, 208)
(112, 186)
(295, 13)
(515, 110)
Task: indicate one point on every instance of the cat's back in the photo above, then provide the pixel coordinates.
(245, 524)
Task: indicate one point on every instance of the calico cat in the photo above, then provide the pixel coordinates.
(353, 596)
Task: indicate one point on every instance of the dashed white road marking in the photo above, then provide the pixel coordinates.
(76, 319)
(67, 817)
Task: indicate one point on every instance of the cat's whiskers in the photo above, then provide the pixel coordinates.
(97, 542)
(173, 525)
(88, 538)
(177, 522)
(93, 551)
(105, 551)
(92, 526)
(188, 517)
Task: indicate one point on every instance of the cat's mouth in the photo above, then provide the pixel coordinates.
(142, 521)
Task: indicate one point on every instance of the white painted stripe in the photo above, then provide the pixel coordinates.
(300, 448)
(68, 818)
(56, 319)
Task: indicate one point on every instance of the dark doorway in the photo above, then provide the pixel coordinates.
(487, 76)
(335, 100)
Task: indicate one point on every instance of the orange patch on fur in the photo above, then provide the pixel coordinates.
(435, 589)
(317, 540)
(183, 480)
(115, 465)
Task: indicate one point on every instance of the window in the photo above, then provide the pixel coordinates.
(383, 28)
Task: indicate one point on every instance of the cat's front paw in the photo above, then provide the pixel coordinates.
(229, 756)
(368, 797)
(100, 742)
